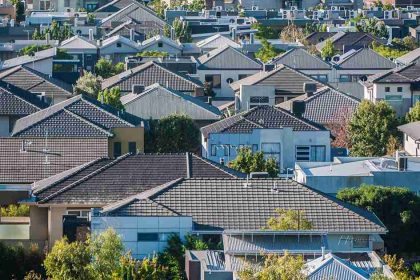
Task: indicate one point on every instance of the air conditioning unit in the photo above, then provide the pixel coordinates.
(334, 8)
(388, 15)
(254, 8)
(293, 8)
(285, 12)
(336, 58)
(410, 8)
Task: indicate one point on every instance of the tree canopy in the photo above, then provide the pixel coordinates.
(182, 31)
(111, 97)
(246, 161)
(371, 128)
(289, 219)
(90, 84)
(328, 49)
(414, 114)
(397, 208)
(105, 68)
(56, 32)
(265, 32)
(267, 51)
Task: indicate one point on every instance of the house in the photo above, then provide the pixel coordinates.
(51, 90)
(128, 29)
(215, 42)
(415, 32)
(309, 64)
(41, 61)
(318, 37)
(157, 101)
(162, 44)
(330, 177)
(274, 131)
(409, 58)
(345, 41)
(151, 73)
(399, 87)
(62, 136)
(236, 211)
(411, 138)
(272, 87)
(72, 193)
(64, 6)
(223, 66)
(83, 49)
(117, 48)
(186, 65)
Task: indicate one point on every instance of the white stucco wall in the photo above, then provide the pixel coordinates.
(410, 146)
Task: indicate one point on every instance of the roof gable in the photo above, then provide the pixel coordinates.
(227, 58)
(365, 58)
(12, 103)
(216, 41)
(77, 42)
(409, 57)
(299, 58)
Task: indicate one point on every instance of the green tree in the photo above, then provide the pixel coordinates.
(56, 32)
(397, 208)
(372, 26)
(197, 5)
(146, 269)
(267, 51)
(292, 33)
(159, 7)
(289, 219)
(194, 243)
(20, 11)
(32, 49)
(414, 114)
(182, 31)
(173, 258)
(153, 54)
(106, 250)
(265, 32)
(111, 97)
(388, 51)
(13, 210)
(328, 49)
(371, 127)
(286, 267)
(246, 161)
(88, 83)
(69, 261)
(105, 68)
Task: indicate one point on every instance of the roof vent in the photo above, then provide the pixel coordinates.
(261, 121)
(137, 89)
(309, 88)
(254, 175)
(247, 184)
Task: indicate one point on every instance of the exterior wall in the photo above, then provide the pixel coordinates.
(225, 90)
(165, 48)
(401, 107)
(126, 135)
(286, 137)
(4, 126)
(43, 66)
(246, 92)
(410, 146)
(55, 224)
(262, 4)
(129, 227)
(38, 229)
(112, 50)
(344, 242)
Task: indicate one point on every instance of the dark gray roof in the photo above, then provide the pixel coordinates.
(286, 80)
(317, 37)
(79, 116)
(409, 57)
(227, 58)
(325, 106)
(26, 59)
(151, 73)
(14, 101)
(108, 180)
(301, 59)
(345, 41)
(231, 204)
(31, 80)
(259, 117)
(364, 58)
(405, 74)
(114, 6)
(411, 129)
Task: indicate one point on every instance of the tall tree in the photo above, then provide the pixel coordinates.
(414, 114)
(88, 83)
(182, 31)
(340, 129)
(246, 161)
(267, 51)
(371, 127)
(111, 97)
(292, 33)
(328, 49)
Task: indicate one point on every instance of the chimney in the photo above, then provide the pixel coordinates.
(90, 34)
(132, 34)
(251, 38)
(172, 33)
(99, 43)
(234, 34)
(309, 89)
(209, 100)
(298, 107)
(137, 89)
(323, 252)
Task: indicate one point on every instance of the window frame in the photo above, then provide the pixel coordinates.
(114, 145)
(148, 236)
(130, 147)
(387, 89)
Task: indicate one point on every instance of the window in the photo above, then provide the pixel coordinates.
(117, 149)
(148, 236)
(88, 57)
(302, 153)
(279, 99)
(118, 45)
(229, 80)
(214, 80)
(259, 99)
(322, 78)
(213, 150)
(81, 214)
(132, 147)
(345, 78)
(310, 153)
(160, 45)
(44, 5)
(242, 76)
(387, 89)
(361, 241)
(164, 236)
(317, 153)
(254, 148)
(226, 149)
(399, 89)
(393, 98)
(271, 150)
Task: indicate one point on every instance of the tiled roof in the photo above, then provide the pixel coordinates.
(317, 37)
(285, 80)
(364, 58)
(123, 40)
(151, 73)
(25, 59)
(351, 40)
(232, 204)
(409, 57)
(325, 105)
(227, 58)
(216, 41)
(78, 42)
(14, 101)
(159, 38)
(299, 58)
(79, 116)
(411, 129)
(405, 74)
(107, 180)
(114, 6)
(31, 80)
(259, 117)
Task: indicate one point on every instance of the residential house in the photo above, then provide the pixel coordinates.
(72, 193)
(318, 37)
(214, 42)
(411, 138)
(62, 136)
(85, 50)
(409, 58)
(66, 5)
(128, 29)
(157, 101)
(345, 41)
(223, 66)
(236, 211)
(162, 44)
(415, 32)
(186, 65)
(41, 61)
(272, 87)
(330, 177)
(49, 89)
(399, 87)
(117, 48)
(274, 131)
(151, 73)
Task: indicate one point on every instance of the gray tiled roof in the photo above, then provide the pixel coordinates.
(78, 116)
(107, 180)
(14, 101)
(325, 106)
(299, 58)
(151, 73)
(317, 37)
(411, 129)
(228, 204)
(227, 58)
(25, 59)
(351, 40)
(33, 81)
(259, 117)
(365, 58)
(405, 74)
(409, 57)
(286, 80)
